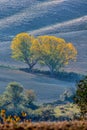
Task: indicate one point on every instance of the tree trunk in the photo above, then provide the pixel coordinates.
(30, 65)
(30, 68)
(51, 69)
(52, 72)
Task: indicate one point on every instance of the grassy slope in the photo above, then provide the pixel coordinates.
(33, 16)
(47, 89)
(45, 17)
(77, 38)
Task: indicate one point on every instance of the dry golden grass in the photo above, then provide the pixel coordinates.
(28, 125)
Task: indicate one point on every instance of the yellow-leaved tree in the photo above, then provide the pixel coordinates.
(21, 49)
(53, 52)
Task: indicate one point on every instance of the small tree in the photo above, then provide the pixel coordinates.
(21, 49)
(30, 96)
(81, 96)
(15, 98)
(14, 94)
(53, 52)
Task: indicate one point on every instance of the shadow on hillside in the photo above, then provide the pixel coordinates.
(65, 76)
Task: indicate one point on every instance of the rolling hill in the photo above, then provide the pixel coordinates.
(46, 89)
(63, 18)
(34, 14)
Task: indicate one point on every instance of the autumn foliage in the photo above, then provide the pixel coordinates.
(21, 49)
(53, 52)
(50, 51)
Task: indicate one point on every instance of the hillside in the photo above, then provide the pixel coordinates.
(31, 15)
(46, 89)
(63, 18)
(53, 17)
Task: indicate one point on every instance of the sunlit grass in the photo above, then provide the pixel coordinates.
(66, 110)
(74, 125)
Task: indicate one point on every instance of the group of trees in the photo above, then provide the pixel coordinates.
(50, 51)
(16, 99)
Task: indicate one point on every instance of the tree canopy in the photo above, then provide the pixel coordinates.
(53, 52)
(21, 49)
(81, 96)
(15, 97)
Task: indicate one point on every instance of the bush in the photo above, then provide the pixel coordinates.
(81, 96)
